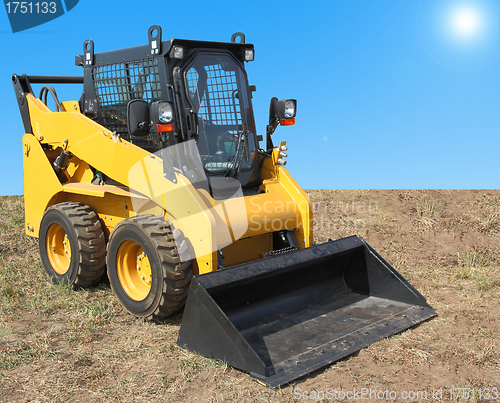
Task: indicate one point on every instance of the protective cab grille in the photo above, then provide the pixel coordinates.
(220, 105)
(115, 85)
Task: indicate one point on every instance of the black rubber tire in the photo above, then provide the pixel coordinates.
(88, 244)
(170, 277)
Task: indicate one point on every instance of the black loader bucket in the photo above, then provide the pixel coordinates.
(285, 316)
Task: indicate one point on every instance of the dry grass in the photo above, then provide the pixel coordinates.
(59, 345)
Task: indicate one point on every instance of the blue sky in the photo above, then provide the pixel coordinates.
(391, 93)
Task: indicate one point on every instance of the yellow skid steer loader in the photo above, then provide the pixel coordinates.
(157, 175)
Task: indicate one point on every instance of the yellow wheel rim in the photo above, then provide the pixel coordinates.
(134, 270)
(58, 248)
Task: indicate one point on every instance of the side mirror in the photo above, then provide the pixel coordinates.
(138, 117)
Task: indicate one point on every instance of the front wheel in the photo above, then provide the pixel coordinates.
(144, 267)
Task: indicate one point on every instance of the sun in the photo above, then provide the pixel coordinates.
(465, 22)
(460, 34)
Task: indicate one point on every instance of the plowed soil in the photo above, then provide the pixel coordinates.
(60, 345)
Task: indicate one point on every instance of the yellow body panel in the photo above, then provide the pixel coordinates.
(247, 249)
(40, 183)
(272, 172)
(242, 230)
(70, 106)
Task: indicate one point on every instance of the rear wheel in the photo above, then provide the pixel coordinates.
(72, 244)
(144, 267)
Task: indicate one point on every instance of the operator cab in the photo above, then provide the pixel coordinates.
(167, 93)
(212, 87)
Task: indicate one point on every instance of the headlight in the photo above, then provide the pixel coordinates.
(286, 109)
(249, 55)
(165, 112)
(177, 52)
(289, 109)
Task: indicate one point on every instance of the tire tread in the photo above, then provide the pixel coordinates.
(91, 241)
(176, 275)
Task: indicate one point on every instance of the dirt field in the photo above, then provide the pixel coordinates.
(59, 345)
